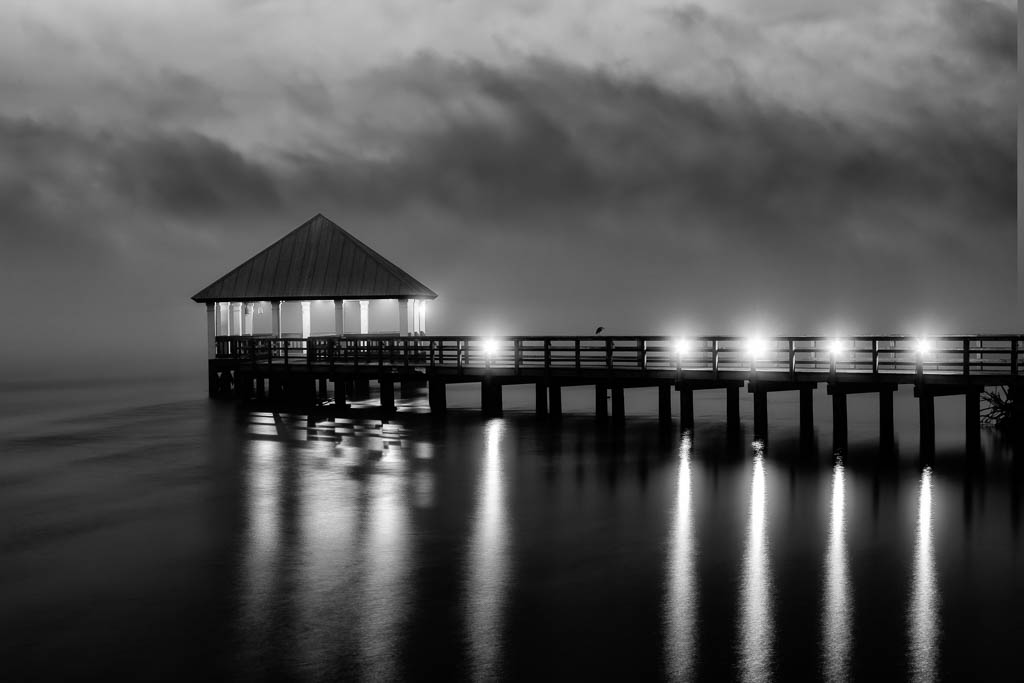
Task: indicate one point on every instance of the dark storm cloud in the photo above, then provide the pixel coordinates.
(558, 140)
(987, 27)
(550, 144)
(64, 181)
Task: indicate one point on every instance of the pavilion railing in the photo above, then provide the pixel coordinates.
(965, 355)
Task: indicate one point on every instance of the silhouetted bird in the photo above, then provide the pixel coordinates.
(599, 330)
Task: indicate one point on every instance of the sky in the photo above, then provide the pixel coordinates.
(779, 166)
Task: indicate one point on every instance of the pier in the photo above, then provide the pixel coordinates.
(340, 368)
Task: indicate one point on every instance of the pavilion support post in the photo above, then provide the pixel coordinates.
(234, 318)
(555, 400)
(403, 317)
(886, 419)
(275, 318)
(306, 320)
(387, 394)
(732, 409)
(601, 402)
(421, 328)
(339, 317)
(211, 330)
(245, 326)
(618, 406)
(806, 414)
(685, 409)
(665, 405)
(839, 421)
(926, 402)
(972, 406)
(760, 414)
(541, 398)
(437, 396)
(364, 317)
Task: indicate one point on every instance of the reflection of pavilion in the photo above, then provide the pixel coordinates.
(312, 281)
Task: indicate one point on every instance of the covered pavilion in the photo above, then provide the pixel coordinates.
(315, 270)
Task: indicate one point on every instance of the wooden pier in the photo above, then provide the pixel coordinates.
(299, 370)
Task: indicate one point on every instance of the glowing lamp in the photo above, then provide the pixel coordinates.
(924, 346)
(490, 347)
(682, 347)
(757, 347)
(836, 347)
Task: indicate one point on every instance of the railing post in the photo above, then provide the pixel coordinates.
(577, 354)
(458, 355)
(517, 352)
(431, 342)
(967, 357)
(1013, 357)
(792, 358)
(608, 353)
(285, 341)
(874, 356)
(715, 350)
(547, 354)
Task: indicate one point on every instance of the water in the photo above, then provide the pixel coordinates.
(153, 534)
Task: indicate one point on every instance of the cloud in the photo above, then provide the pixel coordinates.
(988, 28)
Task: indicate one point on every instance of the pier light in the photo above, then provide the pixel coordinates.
(923, 346)
(683, 347)
(757, 347)
(490, 347)
(836, 347)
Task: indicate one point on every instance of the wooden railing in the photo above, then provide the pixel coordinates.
(965, 355)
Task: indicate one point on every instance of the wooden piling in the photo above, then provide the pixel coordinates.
(685, 409)
(387, 394)
(555, 400)
(760, 414)
(732, 408)
(926, 402)
(490, 397)
(840, 429)
(601, 402)
(664, 405)
(321, 392)
(541, 398)
(618, 406)
(886, 418)
(437, 396)
(806, 414)
(972, 407)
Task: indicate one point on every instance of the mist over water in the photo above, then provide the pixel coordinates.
(152, 533)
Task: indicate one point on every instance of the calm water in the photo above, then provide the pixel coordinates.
(150, 533)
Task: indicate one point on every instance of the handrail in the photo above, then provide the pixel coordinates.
(964, 355)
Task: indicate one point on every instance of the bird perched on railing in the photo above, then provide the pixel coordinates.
(599, 330)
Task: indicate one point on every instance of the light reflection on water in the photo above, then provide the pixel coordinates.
(486, 583)
(384, 595)
(756, 637)
(837, 607)
(682, 600)
(923, 614)
(192, 539)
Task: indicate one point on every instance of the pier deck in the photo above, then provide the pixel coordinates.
(298, 369)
